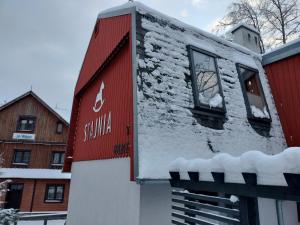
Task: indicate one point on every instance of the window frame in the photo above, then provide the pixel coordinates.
(20, 164)
(46, 200)
(246, 100)
(62, 128)
(27, 118)
(198, 105)
(54, 165)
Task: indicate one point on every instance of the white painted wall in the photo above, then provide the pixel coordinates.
(101, 193)
(290, 215)
(267, 211)
(240, 36)
(155, 204)
(268, 214)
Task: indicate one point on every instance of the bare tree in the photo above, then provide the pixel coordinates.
(274, 19)
(283, 18)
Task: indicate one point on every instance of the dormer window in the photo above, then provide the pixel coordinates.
(26, 123)
(255, 100)
(206, 82)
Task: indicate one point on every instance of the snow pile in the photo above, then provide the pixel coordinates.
(33, 173)
(258, 113)
(234, 199)
(216, 101)
(268, 168)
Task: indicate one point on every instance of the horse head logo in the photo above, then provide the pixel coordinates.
(99, 99)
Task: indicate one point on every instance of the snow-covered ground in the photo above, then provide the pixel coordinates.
(50, 222)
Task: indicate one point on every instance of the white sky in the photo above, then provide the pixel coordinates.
(43, 42)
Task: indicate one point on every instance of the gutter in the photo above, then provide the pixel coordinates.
(142, 181)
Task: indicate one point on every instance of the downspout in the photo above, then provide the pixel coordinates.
(279, 212)
(33, 194)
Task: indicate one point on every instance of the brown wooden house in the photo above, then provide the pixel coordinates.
(32, 146)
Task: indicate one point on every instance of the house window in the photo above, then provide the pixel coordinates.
(59, 128)
(57, 160)
(249, 37)
(21, 158)
(256, 105)
(54, 193)
(26, 123)
(206, 83)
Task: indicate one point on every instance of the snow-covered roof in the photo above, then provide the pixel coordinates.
(33, 173)
(143, 9)
(167, 127)
(268, 168)
(284, 51)
(237, 26)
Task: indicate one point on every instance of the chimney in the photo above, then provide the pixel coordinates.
(246, 36)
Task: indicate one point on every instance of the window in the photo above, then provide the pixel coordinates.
(206, 83)
(256, 105)
(57, 160)
(26, 123)
(249, 37)
(256, 41)
(54, 193)
(21, 158)
(59, 128)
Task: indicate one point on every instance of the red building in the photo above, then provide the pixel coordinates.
(283, 70)
(32, 146)
(152, 89)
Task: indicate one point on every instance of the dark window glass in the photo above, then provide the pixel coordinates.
(59, 128)
(256, 40)
(21, 157)
(253, 91)
(26, 123)
(206, 79)
(57, 160)
(55, 193)
(249, 37)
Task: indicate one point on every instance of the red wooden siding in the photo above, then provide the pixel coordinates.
(109, 50)
(284, 79)
(110, 32)
(117, 96)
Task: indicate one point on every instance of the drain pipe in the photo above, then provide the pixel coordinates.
(279, 212)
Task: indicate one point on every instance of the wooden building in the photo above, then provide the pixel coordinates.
(282, 66)
(152, 89)
(32, 146)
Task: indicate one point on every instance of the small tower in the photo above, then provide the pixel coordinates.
(246, 36)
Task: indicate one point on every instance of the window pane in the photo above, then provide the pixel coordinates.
(255, 97)
(207, 80)
(18, 157)
(51, 193)
(59, 192)
(26, 157)
(23, 124)
(56, 158)
(59, 128)
(62, 158)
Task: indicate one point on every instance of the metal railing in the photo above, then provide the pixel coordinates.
(191, 208)
(45, 217)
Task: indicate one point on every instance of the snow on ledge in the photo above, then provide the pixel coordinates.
(268, 168)
(33, 173)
